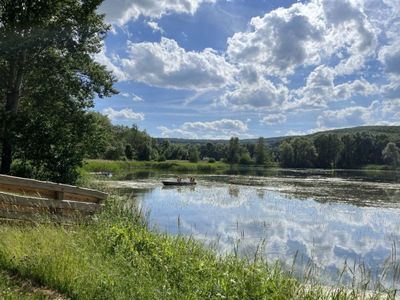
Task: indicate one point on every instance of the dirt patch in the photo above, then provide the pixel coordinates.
(26, 287)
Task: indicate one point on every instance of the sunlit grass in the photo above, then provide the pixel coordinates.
(117, 257)
(132, 166)
(11, 290)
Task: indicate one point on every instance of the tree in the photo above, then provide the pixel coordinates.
(100, 138)
(233, 155)
(286, 154)
(46, 62)
(261, 153)
(380, 143)
(304, 153)
(245, 158)
(391, 154)
(128, 152)
(193, 154)
(328, 147)
(53, 140)
(363, 148)
(347, 159)
(143, 151)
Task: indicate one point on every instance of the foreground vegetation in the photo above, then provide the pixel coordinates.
(13, 289)
(118, 257)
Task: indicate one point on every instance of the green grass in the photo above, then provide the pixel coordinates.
(378, 168)
(125, 167)
(118, 257)
(11, 289)
(132, 166)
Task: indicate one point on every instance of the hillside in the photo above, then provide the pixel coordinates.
(392, 131)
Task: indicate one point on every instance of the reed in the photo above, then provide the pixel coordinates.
(116, 256)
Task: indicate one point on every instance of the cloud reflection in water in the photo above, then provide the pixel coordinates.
(328, 233)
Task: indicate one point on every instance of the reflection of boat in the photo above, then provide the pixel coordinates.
(178, 183)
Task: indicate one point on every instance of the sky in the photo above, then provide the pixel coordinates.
(248, 68)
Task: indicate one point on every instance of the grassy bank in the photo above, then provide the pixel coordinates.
(132, 166)
(378, 168)
(16, 290)
(125, 167)
(118, 257)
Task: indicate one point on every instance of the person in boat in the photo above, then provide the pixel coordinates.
(192, 180)
(179, 179)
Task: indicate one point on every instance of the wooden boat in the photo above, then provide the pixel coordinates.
(178, 183)
(22, 198)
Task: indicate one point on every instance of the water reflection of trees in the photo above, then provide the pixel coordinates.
(234, 191)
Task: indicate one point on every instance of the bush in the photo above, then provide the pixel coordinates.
(211, 160)
(245, 159)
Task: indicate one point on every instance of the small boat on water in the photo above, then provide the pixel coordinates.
(178, 183)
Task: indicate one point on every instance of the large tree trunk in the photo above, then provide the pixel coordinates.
(11, 110)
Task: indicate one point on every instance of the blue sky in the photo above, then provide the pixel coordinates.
(247, 68)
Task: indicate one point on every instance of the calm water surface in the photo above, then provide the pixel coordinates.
(317, 221)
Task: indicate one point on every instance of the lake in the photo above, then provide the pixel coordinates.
(323, 225)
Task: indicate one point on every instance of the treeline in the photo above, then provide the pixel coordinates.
(324, 150)
(116, 142)
(333, 151)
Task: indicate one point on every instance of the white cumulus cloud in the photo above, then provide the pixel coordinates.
(111, 63)
(320, 88)
(219, 129)
(349, 116)
(120, 12)
(154, 25)
(259, 94)
(166, 64)
(281, 40)
(126, 114)
(273, 119)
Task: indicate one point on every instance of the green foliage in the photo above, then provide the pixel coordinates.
(347, 155)
(117, 257)
(362, 149)
(57, 141)
(161, 158)
(128, 152)
(50, 80)
(328, 147)
(114, 152)
(194, 156)
(124, 167)
(12, 289)
(245, 159)
(391, 154)
(332, 150)
(260, 152)
(304, 153)
(286, 154)
(97, 142)
(233, 155)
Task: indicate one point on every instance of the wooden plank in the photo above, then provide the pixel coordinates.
(34, 192)
(31, 203)
(81, 198)
(36, 184)
(60, 195)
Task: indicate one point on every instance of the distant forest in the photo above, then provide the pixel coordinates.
(342, 148)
